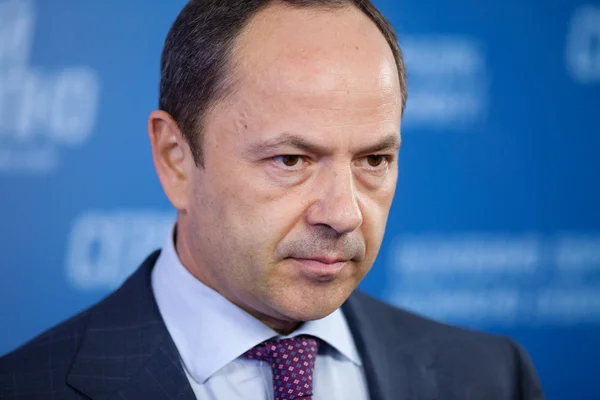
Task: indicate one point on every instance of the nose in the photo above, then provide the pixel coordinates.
(336, 204)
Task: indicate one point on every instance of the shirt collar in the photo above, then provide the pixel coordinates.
(210, 331)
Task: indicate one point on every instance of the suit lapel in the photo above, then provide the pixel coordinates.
(126, 350)
(398, 364)
(161, 377)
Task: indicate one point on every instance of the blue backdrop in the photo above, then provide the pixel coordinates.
(495, 224)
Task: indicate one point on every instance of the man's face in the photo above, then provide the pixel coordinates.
(300, 165)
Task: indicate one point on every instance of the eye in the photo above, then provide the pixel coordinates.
(375, 162)
(289, 161)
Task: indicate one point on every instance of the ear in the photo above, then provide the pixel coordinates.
(173, 159)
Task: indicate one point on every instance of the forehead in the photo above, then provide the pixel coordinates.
(336, 57)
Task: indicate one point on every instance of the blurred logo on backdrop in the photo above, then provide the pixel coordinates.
(494, 279)
(583, 44)
(449, 82)
(42, 110)
(104, 248)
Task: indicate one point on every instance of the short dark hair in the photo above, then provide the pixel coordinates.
(196, 53)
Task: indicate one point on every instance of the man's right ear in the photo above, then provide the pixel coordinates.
(172, 156)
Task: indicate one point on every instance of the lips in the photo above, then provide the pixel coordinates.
(320, 268)
(324, 259)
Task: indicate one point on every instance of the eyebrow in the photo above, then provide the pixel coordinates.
(389, 142)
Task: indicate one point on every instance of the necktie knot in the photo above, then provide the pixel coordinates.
(292, 363)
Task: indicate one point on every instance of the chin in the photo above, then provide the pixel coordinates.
(311, 303)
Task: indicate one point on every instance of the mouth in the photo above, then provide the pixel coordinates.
(320, 268)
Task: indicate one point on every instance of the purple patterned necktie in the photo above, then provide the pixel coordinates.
(292, 363)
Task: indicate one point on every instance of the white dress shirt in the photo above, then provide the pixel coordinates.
(211, 335)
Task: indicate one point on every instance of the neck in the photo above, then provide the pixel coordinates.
(282, 327)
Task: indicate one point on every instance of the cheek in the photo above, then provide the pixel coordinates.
(265, 207)
(253, 217)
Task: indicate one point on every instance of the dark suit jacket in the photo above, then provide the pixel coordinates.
(121, 349)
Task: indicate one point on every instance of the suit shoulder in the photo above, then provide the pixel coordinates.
(398, 318)
(52, 349)
(38, 368)
(482, 361)
(60, 343)
(459, 344)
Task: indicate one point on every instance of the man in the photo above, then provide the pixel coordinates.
(276, 141)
